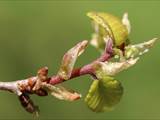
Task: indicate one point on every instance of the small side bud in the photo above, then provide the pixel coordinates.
(41, 77)
(109, 45)
(41, 92)
(43, 72)
(28, 104)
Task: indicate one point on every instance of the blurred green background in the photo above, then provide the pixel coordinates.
(34, 34)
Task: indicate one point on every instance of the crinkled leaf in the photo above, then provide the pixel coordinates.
(132, 51)
(112, 68)
(107, 25)
(62, 93)
(104, 94)
(102, 31)
(70, 58)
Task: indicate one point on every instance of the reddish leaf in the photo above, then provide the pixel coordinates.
(70, 58)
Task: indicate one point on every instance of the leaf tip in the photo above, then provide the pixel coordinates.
(151, 42)
(126, 21)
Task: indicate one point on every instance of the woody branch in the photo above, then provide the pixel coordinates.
(27, 85)
(41, 84)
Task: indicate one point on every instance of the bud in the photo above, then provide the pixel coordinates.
(41, 77)
(41, 92)
(28, 104)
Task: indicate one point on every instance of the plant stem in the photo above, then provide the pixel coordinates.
(87, 69)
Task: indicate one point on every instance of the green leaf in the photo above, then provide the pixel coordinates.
(112, 68)
(104, 94)
(107, 25)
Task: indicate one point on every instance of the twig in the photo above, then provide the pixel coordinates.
(26, 85)
(37, 84)
(41, 84)
(86, 69)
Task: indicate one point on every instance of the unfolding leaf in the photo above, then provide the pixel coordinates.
(70, 58)
(107, 25)
(104, 94)
(62, 93)
(112, 68)
(132, 51)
